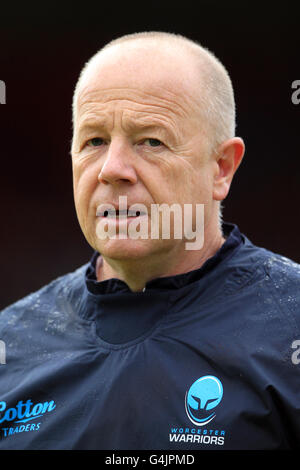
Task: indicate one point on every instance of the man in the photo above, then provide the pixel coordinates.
(155, 344)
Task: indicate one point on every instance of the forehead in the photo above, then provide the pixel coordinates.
(143, 76)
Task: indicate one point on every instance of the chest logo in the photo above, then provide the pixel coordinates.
(202, 398)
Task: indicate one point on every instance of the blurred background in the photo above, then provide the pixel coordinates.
(42, 50)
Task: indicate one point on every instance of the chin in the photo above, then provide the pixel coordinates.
(126, 249)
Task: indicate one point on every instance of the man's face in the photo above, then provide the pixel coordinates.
(138, 133)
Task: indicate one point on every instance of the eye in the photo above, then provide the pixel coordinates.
(153, 142)
(95, 142)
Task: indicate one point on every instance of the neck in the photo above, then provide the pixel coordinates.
(136, 273)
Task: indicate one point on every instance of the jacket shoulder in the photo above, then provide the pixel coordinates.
(283, 280)
(284, 271)
(50, 297)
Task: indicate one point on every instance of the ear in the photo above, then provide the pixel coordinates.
(228, 159)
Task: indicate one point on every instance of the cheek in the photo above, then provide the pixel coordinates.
(84, 184)
(187, 183)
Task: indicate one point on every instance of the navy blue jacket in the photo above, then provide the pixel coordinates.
(202, 360)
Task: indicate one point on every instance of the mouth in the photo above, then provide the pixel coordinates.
(109, 213)
(116, 222)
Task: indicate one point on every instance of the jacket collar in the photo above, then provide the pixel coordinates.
(233, 239)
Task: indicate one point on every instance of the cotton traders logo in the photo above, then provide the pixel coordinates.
(22, 415)
(202, 398)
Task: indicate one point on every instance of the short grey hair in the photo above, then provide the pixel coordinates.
(217, 100)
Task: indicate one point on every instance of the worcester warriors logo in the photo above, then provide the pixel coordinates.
(202, 398)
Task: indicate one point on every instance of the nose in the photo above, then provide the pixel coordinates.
(118, 167)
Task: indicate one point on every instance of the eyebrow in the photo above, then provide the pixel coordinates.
(137, 125)
(142, 126)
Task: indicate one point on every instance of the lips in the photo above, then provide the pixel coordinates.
(109, 211)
